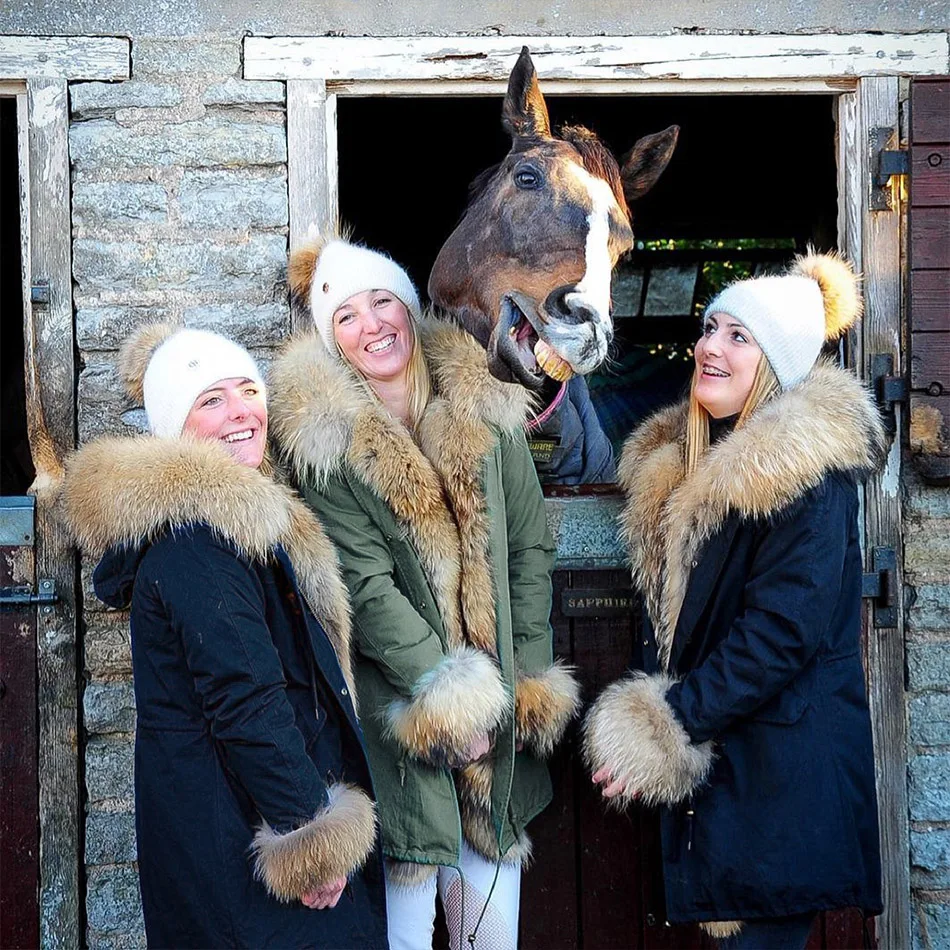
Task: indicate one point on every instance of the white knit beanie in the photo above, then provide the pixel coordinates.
(791, 316)
(327, 276)
(167, 368)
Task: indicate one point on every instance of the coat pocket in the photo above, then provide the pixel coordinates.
(783, 710)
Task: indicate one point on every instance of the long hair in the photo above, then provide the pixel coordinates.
(765, 386)
(418, 380)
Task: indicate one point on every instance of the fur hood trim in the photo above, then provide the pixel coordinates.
(333, 844)
(827, 423)
(632, 731)
(126, 491)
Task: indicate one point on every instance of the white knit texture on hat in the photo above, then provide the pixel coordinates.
(183, 367)
(344, 269)
(786, 315)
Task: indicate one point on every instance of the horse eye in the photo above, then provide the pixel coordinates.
(528, 178)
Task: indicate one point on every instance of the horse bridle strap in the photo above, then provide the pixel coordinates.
(537, 421)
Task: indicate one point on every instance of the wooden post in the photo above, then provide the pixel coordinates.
(51, 417)
(311, 161)
(880, 263)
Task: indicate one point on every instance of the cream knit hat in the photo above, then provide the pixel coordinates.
(791, 316)
(325, 275)
(166, 368)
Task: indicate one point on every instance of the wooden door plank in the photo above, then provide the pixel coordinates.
(930, 299)
(881, 330)
(930, 228)
(49, 338)
(19, 781)
(930, 110)
(549, 887)
(930, 362)
(930, 175)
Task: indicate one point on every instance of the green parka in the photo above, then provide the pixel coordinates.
(447, 556)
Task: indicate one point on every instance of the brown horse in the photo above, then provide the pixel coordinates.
(527, 270)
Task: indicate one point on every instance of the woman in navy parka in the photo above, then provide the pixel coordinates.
(750, 725)
(254, 818)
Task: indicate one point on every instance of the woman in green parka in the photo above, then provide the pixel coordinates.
(415, 460)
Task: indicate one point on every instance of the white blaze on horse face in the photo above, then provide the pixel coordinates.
(592, 292)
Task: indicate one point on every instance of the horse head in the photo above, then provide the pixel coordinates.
(527, 269)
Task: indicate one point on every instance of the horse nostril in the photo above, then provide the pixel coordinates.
(565, 304)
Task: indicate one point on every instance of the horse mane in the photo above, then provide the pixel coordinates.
(595, 157)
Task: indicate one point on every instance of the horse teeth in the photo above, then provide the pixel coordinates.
(552, 364)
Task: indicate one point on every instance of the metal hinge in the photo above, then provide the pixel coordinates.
(885, 164)
(888, 388)
(880, 586)
(25, 596)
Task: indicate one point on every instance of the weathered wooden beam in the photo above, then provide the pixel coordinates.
(694, 57)
(65, 57)
(880, 264)
(48, 338)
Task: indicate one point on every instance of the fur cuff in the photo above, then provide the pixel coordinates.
(632, 731)
(721, 929)
(409, 874)
(333, 844)
(544, 704)
(451, 705)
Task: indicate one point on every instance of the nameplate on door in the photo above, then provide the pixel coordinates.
(612, 602)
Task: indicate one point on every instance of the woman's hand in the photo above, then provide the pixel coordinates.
(325, 896)
(611, 787)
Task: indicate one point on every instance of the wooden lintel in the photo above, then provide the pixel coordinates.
(65, 57)
(826, 56)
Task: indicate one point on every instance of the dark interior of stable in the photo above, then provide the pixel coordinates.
(752, 181)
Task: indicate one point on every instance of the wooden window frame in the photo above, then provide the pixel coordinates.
(861, 70)
(36, 71)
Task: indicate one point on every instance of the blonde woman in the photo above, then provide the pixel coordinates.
(750, 725)
(415, 459)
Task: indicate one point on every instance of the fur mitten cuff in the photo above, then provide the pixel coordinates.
(333, 844)
(451, 705)
(544, 704)
(632, 731)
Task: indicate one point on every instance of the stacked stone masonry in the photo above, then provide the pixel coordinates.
(179, 198)
(927, 575)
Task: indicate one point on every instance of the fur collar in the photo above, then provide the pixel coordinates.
(125, 491)
(323, 419)
(827, 423)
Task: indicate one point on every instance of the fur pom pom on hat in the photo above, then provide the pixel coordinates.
(165, 368)
(792, 315)
(327, 273)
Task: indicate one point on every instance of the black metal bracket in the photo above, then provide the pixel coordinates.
(25, 596)
(39, 292)
(888, 388)
(885, 163)
(880, 586)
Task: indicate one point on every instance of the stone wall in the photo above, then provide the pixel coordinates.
(927, 573)
(179, 212)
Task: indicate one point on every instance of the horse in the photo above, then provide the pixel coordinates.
(527, 269)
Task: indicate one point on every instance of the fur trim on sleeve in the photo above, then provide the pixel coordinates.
(632, 731)
(451, 705)
(333, 844)
(544, 704)
(721, 929)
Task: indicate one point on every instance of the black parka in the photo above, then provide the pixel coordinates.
(251, 780)
(759, 736)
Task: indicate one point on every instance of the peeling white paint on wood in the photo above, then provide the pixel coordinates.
(65, 57)
(428, 58)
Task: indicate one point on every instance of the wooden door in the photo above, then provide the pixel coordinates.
(19, 786)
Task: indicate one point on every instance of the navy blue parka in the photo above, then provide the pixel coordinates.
(251, 779)
(749, 723)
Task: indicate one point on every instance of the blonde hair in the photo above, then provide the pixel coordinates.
(418, 380)
(765, 385)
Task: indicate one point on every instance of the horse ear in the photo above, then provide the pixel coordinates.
(646, 160)
(525, 113)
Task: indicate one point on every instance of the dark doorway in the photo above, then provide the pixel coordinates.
(752, 181)
(16, 466)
